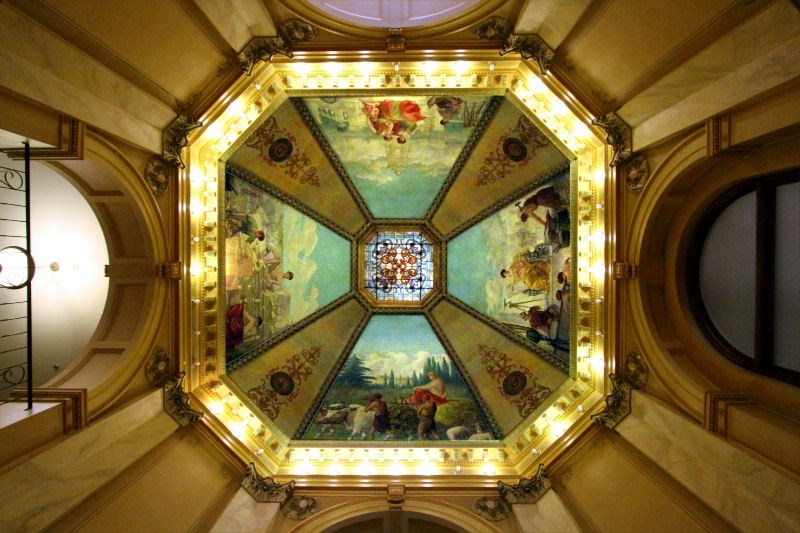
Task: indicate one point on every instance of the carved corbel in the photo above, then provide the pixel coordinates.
(396, 43)
(176, 402)
(493, 29)
(262, 49)
(176, 138)
(637, 170)
(618, 135)
(618, 404)
(298, 31)
(491, 508)
(530, 47)
(265, 489)
(526, 490)
(396, 495)
(157, 174)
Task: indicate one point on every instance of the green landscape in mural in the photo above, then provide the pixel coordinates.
(398, 152)
(398, 384)
(280, 265)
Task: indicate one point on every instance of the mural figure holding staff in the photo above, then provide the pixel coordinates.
(381, 422)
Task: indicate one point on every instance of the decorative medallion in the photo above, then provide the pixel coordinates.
(491, 508)
(515, 150)
(158, 368)
(618, 404)
(281, 386)
(514, 383)
(526, 490)
(638, 170)
(276, 147)
(530, 47)
(176, 402)
(265, 489)
(493, 29)
(298, 31)
(280, 150)
(636, 371)
(515, 147)
(282, 383)
(618, 135)
(157, 175)
(500, 367)
(300, 508)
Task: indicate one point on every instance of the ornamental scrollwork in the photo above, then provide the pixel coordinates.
(618, 135)
(618, 404)
(526, 490)
(493, 28)
(176, 402)
(282, 384)
(530, 47)
(265, 489)
(176, 138)
(158, 368)
(491, 508)
(157, 175)
(262, 49)
(515, 382)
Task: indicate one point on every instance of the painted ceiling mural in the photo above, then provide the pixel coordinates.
(398, 151)
(311, 181)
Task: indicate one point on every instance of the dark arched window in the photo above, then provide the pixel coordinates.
(743, 275)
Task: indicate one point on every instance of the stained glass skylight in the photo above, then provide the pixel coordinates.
(399, 266)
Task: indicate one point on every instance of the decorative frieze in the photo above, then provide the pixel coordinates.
(618, 404)
(526, 490)
(265, 489)
(618, 135)
(176, 138)
(176, 402)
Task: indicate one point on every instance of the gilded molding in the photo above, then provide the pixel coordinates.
(530, 47)
(618, 135)
(395, 43)
(718, 137)
(491, 508)
(298, 31)
(74, 403)
(170, 270)
(526, 490)
(265, 489)
(395, 495)
(636, 369)
(157, 370)
(618, 404)
(176, 138)
(262, 49)
(493, 29)
(715, 417)
(637, 171)
(300, 507)
(624, 270)
(71, 132)
(176, 402)
(157, 174)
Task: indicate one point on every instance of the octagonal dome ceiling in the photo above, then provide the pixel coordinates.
(308, 351)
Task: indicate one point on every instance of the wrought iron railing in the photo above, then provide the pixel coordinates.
(16, 272)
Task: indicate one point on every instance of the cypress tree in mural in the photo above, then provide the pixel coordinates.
(353, 374)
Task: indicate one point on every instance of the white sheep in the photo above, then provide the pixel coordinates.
(458, 433)
(480, 434)
(362, 420)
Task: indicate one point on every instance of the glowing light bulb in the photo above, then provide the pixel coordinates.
(600, 175)
(396, 67)
(491, 66)
(194, 270)
(237, 429)
(215, 408)
(599, 269)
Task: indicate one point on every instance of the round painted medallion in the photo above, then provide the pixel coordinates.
(282, 383)
(515, 150)
(514, 383)
(280, 150)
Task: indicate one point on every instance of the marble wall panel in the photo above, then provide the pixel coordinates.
(547, 514)
(745, 491)
(246, 515)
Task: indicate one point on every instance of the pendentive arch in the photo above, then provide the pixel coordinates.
(664, 221)
(136, 238)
